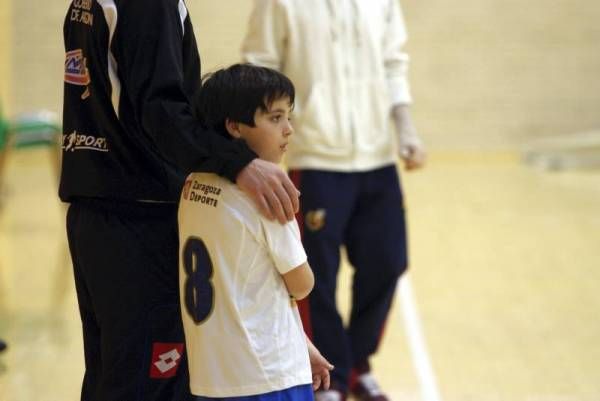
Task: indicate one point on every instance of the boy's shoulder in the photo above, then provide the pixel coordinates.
(212, 190)
(201, 187)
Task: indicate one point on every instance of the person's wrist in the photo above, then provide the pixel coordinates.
(234, 167)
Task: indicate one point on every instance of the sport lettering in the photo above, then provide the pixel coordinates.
(206, 200)
(75, 141)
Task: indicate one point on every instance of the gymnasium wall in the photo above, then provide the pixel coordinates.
(486, 74)
(5, 48)
(37, 54)
(495, 73)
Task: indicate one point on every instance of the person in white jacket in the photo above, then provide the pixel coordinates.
(346, 60)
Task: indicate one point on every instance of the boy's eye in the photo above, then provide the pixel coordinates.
(276, 119)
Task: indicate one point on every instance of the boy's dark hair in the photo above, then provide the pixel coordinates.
(237, 92)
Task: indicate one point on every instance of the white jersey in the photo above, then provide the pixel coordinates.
(243, 334)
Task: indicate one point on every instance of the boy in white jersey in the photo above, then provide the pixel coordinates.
(239, 272)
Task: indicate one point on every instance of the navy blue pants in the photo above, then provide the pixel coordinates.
(126, 276)
(363, 212)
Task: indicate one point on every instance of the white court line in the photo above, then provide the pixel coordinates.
(416, 342)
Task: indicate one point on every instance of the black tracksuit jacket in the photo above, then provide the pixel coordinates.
(132, 69)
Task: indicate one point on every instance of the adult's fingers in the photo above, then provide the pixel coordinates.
(275, 205)
(266, 182)
(285, 201)
(292, 193)
(263, 206)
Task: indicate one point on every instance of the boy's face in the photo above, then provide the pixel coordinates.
(270, 135)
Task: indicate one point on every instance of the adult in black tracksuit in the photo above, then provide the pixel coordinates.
(129, 138)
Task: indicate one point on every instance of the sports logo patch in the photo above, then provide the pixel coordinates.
(78, 141)
(76, 71)
(315, 219)
(166, 358)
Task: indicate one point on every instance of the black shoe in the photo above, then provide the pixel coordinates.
(2, 346)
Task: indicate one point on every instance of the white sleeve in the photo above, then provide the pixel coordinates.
(395, 59)
(264, 43)
(284, 244)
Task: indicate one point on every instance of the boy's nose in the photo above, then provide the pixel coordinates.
(288, 129)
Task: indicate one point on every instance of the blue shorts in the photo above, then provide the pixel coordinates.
(299, 393)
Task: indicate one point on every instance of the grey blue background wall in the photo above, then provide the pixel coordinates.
(486, 74)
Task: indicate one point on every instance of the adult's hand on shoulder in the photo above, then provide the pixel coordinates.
(271, 189)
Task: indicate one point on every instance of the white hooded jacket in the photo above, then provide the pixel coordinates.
(345, 58)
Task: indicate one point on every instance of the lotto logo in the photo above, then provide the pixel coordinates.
(166, 358)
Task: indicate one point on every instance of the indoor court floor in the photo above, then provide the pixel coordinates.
(505, 279)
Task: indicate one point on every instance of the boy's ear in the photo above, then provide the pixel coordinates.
(233, 128)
